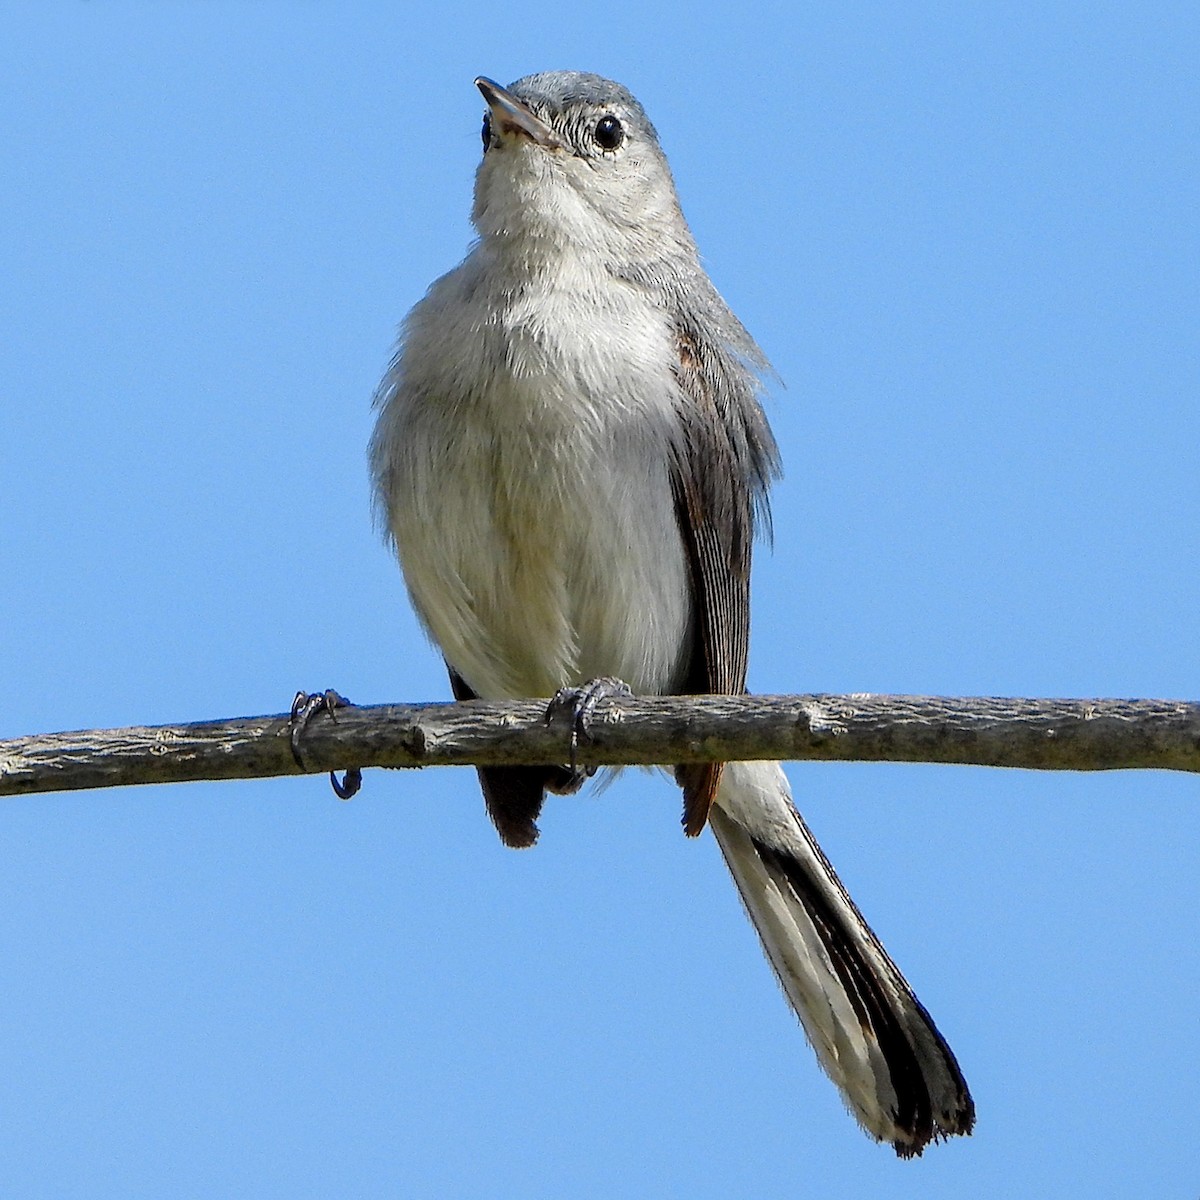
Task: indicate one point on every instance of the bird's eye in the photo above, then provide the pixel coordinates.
(609, 133)
(487, 131)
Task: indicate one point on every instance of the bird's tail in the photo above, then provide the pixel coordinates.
(874, 1039)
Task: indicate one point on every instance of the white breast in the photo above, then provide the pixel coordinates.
(525, 475)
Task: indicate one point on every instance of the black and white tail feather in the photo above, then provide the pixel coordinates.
(876, 1042)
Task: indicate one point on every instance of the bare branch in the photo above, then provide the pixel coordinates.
(1074, 735)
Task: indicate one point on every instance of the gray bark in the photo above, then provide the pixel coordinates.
(1064, 735)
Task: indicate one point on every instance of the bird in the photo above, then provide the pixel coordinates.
(571, 460)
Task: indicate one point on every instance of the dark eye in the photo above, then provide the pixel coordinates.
(609, 134)
(487, 131)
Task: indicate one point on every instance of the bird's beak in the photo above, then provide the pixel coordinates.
(511, 118)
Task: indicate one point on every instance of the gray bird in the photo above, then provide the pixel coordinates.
(571, 458)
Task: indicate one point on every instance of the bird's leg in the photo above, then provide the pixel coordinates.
(304, 708)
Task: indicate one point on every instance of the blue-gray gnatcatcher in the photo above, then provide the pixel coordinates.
(570, 457)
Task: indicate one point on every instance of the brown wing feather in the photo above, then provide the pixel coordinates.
(714, 506)
(514, 795)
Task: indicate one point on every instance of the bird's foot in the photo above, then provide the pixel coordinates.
(304, 708)
(579, 704)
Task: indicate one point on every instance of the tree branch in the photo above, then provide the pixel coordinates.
(1064, 735)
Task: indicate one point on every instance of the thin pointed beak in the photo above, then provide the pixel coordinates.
(510, 117)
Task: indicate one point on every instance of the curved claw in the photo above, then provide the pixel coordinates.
(349, 784)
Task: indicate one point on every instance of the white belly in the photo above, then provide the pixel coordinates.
(533, 515)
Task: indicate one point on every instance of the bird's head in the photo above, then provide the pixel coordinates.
(572, 163)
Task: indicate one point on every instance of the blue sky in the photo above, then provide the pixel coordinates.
(965, 235)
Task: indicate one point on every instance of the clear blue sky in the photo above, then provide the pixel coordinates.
(966, 235)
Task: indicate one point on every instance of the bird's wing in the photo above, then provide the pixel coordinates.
(714, 506)
(514, 795)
